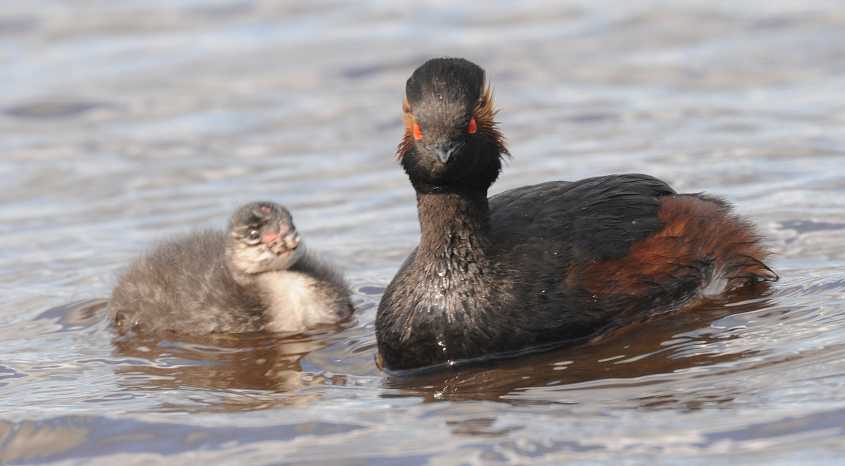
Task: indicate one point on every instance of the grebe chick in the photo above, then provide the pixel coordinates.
(543, 265)
(256, 276)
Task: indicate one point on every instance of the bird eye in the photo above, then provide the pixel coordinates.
(417, 131)
(253, 234)
(472, 127)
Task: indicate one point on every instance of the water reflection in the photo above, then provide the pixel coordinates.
(31, 441)
(242, 372)
(660, 347)
(76, 315)
(256, 371)
(75, 437)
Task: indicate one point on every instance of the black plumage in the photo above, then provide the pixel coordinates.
(539, 265)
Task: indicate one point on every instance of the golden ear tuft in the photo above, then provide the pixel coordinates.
(407, 117)
(408, 138)
(485, 115)
(485, 109)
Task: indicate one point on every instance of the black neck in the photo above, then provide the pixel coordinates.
(454, 226)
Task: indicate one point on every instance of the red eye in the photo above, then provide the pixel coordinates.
(472, 127)
(417, 132)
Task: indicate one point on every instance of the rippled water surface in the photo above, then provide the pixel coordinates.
(125, 122)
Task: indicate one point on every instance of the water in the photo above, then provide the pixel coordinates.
(124, 122)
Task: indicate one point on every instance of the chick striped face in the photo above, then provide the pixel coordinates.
(262, 238)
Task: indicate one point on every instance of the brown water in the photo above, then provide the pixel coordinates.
(124, 122)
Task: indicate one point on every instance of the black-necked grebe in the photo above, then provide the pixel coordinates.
(537, 265)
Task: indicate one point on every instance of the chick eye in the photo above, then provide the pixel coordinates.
(417, 132)
(472, 127)
(253, 235)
